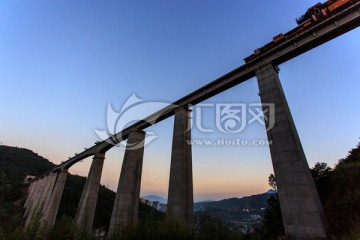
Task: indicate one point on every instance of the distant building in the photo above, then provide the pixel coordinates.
(28, 178)
(244, 229)
(148, 202)
(156, 205)
(99, 233)
(255, 217)
(162, 207)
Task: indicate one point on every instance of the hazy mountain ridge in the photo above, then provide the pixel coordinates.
(245, 209)
(155, 198)
(17, 162)
(254, 201)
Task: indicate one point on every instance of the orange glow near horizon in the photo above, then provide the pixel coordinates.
(211, 180)
(207, 185)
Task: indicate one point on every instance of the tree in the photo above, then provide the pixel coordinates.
(352, 157)
(272, 181)
(5, 186)
(320, 170)
(273, 225)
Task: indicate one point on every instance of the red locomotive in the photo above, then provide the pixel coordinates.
(313, 15)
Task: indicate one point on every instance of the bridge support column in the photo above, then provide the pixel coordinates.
(126, 205)
(32, 189)
(53, 206)
(46, 193)
(33, 198)
(33, 208)
(45, 198)
(180, 195)
(86, 210)
(302, 212)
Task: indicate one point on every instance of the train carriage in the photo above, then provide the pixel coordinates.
(312, 16)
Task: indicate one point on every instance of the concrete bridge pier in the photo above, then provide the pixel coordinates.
(33, 197)
(53, 206)
(302, 212)
(48, 187)
(33, 207)
(86, 210)
(32, 189)
(180, 195)
(126, 205)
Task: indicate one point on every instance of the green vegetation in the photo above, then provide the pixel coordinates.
(15, 164)
(339, 191)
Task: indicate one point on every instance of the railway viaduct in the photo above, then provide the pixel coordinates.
(303, 214)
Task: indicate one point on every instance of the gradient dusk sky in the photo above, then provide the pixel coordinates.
(63, 62)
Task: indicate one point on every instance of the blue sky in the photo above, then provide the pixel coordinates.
(62, 62)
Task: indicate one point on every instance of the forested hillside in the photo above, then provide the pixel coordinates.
(339, 190)
(16, 163)
(235, 209)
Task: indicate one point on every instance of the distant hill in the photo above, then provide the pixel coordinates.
(248, 202)
(236, 209)
(16, 163)
(155, 198)
(206, 200)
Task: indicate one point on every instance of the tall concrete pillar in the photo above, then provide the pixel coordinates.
(302, 211)
(51, 179)
(126, 205)
(55, 198)
(86, 210)
(31, 191)
(180, 196)
(32, 198)
(34, 209)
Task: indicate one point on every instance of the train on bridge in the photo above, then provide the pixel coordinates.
(312, 16)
